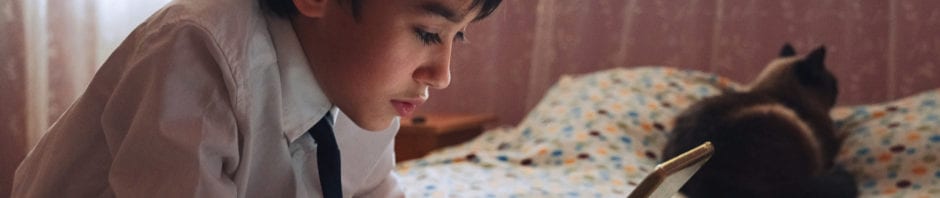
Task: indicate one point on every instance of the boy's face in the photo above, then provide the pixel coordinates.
(382, 65)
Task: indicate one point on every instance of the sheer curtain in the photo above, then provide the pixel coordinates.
(49, 50)
(116, 19)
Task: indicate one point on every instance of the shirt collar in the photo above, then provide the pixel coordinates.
(303, 103)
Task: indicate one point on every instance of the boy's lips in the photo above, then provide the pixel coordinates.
(406, 107)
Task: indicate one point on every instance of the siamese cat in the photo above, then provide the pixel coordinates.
(774, 138)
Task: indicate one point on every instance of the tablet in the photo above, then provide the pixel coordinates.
(669, 176)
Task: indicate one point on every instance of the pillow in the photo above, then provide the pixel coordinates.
(893, 148)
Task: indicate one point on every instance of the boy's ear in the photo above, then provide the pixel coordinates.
(311, 8)
(787, 51)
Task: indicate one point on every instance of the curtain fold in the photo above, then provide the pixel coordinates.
(12, 91)
(49, 52)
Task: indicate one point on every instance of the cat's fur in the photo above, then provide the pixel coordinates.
(773, 139)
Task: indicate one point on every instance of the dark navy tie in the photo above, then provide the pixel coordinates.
(327, 158)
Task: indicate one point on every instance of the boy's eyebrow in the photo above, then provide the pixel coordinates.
(439, 9)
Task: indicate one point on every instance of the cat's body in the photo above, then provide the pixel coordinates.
(773, 139)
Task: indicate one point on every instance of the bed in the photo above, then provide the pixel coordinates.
(599, 134)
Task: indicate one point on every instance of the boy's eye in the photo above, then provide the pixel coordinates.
(427, 37)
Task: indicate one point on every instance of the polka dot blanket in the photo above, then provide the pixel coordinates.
(599, 134)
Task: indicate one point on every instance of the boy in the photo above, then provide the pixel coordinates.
(237, 98)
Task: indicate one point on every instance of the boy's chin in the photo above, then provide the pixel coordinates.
(375, 124)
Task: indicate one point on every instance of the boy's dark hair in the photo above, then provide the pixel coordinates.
(286, 8)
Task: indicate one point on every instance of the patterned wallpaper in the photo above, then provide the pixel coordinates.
(879, 50)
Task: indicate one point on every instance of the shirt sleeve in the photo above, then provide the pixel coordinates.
(169, 122)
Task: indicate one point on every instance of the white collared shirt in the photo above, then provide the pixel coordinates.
(209, 98)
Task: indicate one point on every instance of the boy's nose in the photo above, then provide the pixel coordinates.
(436, 72)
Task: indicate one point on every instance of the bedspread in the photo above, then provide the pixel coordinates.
(599, 134)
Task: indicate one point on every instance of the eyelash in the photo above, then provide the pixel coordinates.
(433, 38)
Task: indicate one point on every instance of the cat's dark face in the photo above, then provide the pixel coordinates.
(806, 75)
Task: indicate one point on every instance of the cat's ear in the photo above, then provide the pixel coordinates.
(787, 51)
(817, 57)
(812, 69)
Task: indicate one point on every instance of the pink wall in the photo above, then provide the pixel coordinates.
(880, 50)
